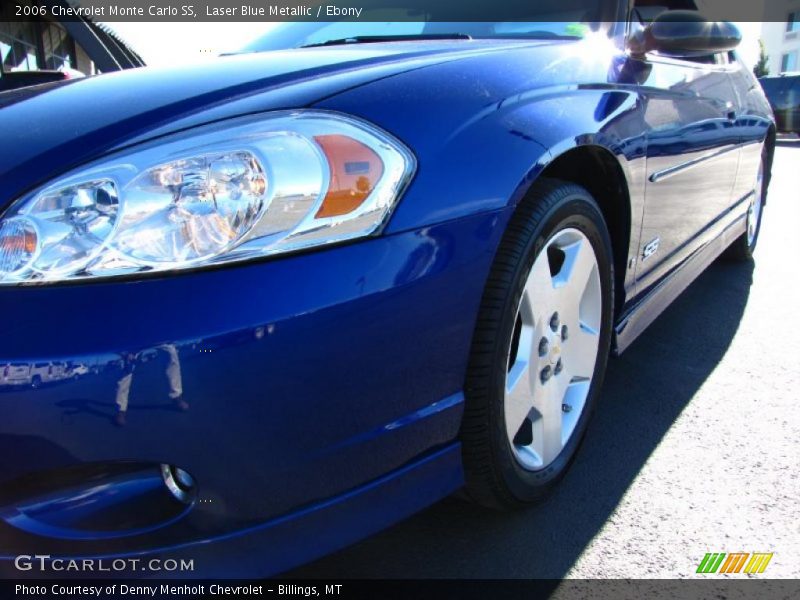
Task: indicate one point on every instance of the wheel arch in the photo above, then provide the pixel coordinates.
(601, 172)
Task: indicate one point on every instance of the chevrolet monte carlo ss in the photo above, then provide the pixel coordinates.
(260, 308)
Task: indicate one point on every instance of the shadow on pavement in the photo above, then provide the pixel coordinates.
(645, 391)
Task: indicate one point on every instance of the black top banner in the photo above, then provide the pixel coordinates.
(581, 11)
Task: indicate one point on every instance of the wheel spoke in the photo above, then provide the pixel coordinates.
(574, 401)
(580, 354)
(547, 426)
(579, 263)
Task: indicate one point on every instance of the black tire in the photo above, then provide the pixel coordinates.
(494, 478)
(742, 249)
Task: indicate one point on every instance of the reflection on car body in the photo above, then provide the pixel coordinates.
(783, 93)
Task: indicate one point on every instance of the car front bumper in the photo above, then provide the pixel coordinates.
(324, 387)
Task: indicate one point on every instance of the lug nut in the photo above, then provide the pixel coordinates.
(544, 347)
(566, 408)
(564, 333)
(554, 322)
(547, 372)
(559, 367)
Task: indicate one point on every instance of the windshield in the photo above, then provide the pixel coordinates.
(572, 19)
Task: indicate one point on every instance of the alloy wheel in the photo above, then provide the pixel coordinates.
(554, 349)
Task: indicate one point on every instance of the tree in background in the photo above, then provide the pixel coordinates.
(762, 66)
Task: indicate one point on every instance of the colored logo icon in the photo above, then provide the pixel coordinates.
(734, 562)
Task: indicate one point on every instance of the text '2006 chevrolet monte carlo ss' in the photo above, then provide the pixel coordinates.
(262, 307)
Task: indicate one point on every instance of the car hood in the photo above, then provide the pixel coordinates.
(48, 129)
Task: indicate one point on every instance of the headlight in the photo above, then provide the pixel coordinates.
(228, 192)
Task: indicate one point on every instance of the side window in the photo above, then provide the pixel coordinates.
(59, 48)
(18, 46)
(793, 22)
(789, 62)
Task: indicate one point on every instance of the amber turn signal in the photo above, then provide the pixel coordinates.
(354, 171)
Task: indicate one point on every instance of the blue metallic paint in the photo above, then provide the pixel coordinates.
(52, 128)
(309, 385)
(325, 388)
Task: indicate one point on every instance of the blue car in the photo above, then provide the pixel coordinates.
(314, 287)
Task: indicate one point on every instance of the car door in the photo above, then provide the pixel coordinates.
(690, 109)
(753, 124)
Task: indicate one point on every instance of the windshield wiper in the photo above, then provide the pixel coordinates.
(373, 39)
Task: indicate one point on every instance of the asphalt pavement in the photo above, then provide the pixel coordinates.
(694, 448)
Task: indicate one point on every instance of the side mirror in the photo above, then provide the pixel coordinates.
(684, 34)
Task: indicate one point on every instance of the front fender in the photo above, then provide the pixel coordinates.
(484, 129)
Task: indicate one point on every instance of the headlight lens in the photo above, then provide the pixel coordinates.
(193, 209)
(227, 192)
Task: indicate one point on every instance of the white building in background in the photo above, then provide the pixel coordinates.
(782, 39)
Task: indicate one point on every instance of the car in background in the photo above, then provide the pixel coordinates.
(49, 372)
(33, 375)
(15, 374)
(380, 266)
(783, 93)
(78, 370)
